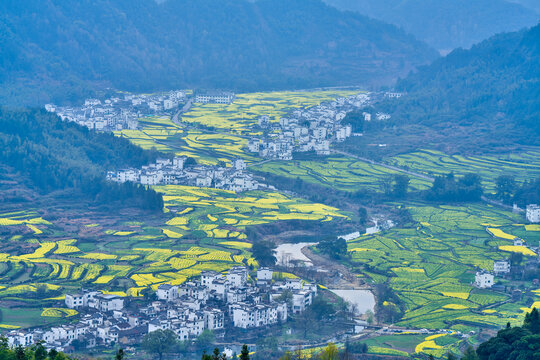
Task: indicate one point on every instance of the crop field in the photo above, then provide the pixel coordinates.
(523, 165)
(204, 229)
(234, 119)
(431, 266)
(220, 214)
(337, 172)
(243, 113)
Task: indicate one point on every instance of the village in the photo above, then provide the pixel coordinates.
(311, 129)
(118, 113)
(179, 170)
(303, 130)
(219, 303)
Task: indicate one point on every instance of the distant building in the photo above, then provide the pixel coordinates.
(519, 242)
(533, 213)
(264, 274)
(167, 292)
(501, 267)
(483, 280)
(215, 97)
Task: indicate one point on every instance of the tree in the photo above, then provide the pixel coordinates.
(451, 356)
(159, 342)
(119, 354)
(470, 354)
(506, 185)
(362, 215)
(205, 340)
(330, 352)
(216, 355)
(386, 185)
(532, 321)
(19, 353)
(190, 162)
(336, 248)
(41, 291)
(40, 353)
(514, 342)
(264, 253)
(244, 355)
(516, 259)
(400, 186)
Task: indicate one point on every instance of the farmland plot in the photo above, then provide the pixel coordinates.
(431, 266)
(523, 165)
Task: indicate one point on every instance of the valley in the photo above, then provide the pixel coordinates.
(421, 271)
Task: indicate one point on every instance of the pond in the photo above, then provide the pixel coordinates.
(285, 253)
(362, 300)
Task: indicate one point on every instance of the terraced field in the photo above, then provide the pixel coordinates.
(228, 120)
(243, 113)
(523, 165)
(204, 229)
(337, 172)
(222, 214)
(431, 266)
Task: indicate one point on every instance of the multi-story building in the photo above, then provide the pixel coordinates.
(483, 280)
(533, 213)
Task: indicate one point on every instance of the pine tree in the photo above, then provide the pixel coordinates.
(244, 355)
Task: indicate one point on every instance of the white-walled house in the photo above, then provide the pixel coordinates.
(264, 274)
(237, 276)
(167, 292)
(483, 280)
(501, 267)
(301, 300)
(533, 213)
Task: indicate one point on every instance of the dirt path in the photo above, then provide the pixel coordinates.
(344, 279)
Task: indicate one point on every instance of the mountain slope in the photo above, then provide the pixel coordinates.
(495, 86)
(55, 46)
(446, 25)
(41, 154)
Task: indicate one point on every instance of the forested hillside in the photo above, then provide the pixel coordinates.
(42, 152)
(51, 50)
(495, 87)
(446, 25)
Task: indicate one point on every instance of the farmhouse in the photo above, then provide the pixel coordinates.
(533, 213)
(501, 267)
(483, 280)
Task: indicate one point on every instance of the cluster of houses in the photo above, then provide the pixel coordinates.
(216, 302)
(119, 112)
(174, 171)
(311, 129)
(486, 280)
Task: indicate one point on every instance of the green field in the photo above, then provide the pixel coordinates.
(524, 165)
(431, 266)
(240, 116)
(203, 229)
(229, 121)
(337, 172)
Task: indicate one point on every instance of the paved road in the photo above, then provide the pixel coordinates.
(186, 107)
